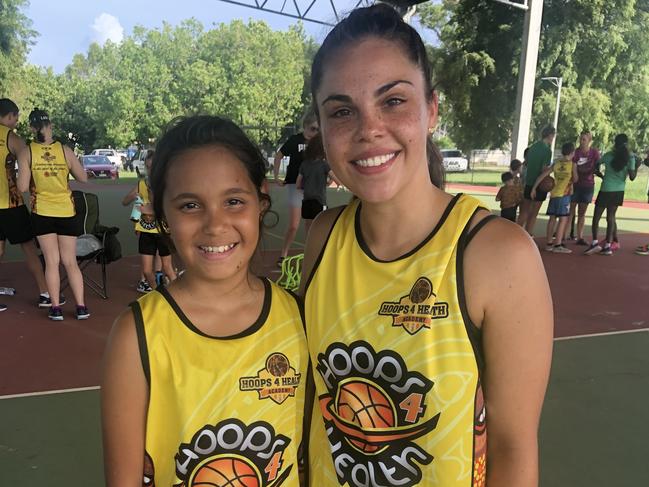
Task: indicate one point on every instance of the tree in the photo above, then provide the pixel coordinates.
(16, 36)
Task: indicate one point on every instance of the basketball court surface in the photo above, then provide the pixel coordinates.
(594, 425)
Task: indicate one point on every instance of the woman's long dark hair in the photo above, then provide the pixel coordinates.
(621, 154)
(39, 119)
(383, 22)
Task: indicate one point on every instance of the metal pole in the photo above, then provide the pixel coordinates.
(556, 113)
(526, 77)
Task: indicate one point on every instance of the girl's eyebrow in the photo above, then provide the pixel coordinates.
(227, 192)
(386, 87)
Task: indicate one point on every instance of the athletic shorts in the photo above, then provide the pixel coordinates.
(44, 225)
(582, 195)
(609, 198)
(540, 195)
(15, 225)
(509, 213)
(559, 206)
(153, 243)
(294, 196)
(311, 208)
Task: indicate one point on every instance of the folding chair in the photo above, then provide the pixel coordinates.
(291, 272)
(87, 215)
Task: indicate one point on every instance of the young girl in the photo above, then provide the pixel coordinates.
(618, 164)
(48, 164)
(204, 381)
(417, 302)
(150, 241)
(313, 180)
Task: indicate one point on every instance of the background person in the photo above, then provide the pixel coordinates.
(48, 164)
(539, 156)
(397, 282)
(15, 224)
(294, 149)
(509, 197)
(618, 164)
(586, 158)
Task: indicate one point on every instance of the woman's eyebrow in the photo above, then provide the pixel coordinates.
(379, 91)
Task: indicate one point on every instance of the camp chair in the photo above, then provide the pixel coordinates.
(291, 272)
(92, 244)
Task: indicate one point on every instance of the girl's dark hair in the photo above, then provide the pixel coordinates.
(37, 120)
(7, 106)
(185, 133)
(621, 154)
(567, 148)
(383, 22)
(314, 149)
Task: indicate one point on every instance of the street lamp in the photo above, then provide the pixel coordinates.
(556, 81)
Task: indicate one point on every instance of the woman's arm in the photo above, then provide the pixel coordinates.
(124, 399)
(24, 167)
(546, 172)
(76, 168)
(130, 197)
(633, 171)
(504, 280)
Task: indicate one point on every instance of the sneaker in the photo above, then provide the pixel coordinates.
(593, 248)
(82, 313)
(581, 242)
(3, 307)
(606, 251)
(44, 301)
(549, 247)
(143, 287)
(616, 246)
(55, 314)
(561, 249)
(642, 250)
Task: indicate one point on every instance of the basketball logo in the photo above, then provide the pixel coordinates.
(421, 290)
(226, 471)
(277, 364)
(366, 405)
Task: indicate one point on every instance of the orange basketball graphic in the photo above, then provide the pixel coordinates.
(277, 364)
(226, 472)
(366, 405)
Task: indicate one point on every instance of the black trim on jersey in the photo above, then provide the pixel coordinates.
(474, 333)
(141, 340)
(256, 326)
(365, 248)
(316, 264)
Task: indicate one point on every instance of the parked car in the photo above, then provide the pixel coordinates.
(112, 154)
(100, 167)
(137, 163)
(454, 161)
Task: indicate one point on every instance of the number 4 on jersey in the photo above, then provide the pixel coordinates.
(412, 406)
(274, 466)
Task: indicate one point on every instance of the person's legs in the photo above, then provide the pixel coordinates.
(34, 264)
(533, 210)
(550, 231)
(573, 207)
(50, 247)
(291, 229)
(523, 213)
(561, 230)
(168, 267)
(146, 263)
(68, 251)
(610, 223)
(581, 220)
(307, 225)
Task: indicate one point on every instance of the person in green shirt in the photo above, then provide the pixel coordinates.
(618, 164)
(539, 156)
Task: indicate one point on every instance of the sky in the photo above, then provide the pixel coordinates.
(68, 27)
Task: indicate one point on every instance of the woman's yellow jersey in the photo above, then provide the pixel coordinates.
(223, 410)
(147, 222)
(397, 361)
(50, 191)
(10, 197)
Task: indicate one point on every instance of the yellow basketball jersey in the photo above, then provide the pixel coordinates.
(397, 361)
(10, 197)
(50, 191)
(222, 409)
(146, 223)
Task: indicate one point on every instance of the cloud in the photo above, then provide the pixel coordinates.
(107, 27)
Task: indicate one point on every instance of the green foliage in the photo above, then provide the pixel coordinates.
(16, 36)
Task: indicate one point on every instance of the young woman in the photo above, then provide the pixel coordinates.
(150, 240)
(417, 303)
(48, 164)
(618, 164)
(586, 158)
(204, 381)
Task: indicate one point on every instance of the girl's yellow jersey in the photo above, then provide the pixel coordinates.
(146, 223)
(10, 197)
(50, 191)
(223, 410)
(397, 361)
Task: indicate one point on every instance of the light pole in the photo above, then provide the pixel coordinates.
(556, 81)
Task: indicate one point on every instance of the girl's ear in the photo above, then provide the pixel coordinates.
(432, 111)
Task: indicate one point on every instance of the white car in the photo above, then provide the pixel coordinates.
(112, 155)
(454, 161)
(137, 163)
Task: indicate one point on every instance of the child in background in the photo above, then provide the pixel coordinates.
(313, 178)
(220, 355)
(509, 197)
(516, 167)
(565, 174)
(150, 240)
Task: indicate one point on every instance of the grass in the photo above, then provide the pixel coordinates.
(490, 176)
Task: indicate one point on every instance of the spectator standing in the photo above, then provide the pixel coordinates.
(585, 158)
(509, 197)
